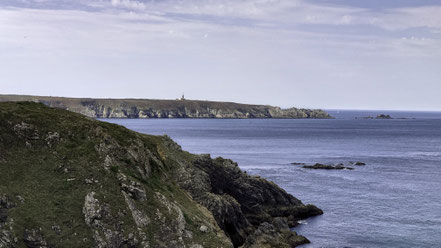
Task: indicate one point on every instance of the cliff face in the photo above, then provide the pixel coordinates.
(69, 181)
(145, 108)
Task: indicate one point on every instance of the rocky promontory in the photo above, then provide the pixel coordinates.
(148, 108)
(70, 181)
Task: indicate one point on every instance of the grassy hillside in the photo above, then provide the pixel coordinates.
(70, 181)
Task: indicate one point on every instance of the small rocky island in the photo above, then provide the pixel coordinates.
(380, 116)
(179, 108)
(340, 166)
(383, 116)
(71, 181)
(319, 166)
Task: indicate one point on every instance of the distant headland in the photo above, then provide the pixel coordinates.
(179, 108)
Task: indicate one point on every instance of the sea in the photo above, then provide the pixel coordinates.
(393, 201)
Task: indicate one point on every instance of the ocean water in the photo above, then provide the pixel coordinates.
(393, 201)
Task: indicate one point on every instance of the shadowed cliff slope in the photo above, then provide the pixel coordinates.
(70, 181)
(146, 108)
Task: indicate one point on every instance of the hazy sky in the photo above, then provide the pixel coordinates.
(350, 54)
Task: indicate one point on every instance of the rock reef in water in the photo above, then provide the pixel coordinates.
(383, 116)
(340, 166)
(69, 181)
(147, 108)
(327, 167)
(380, 116)
(357, 163)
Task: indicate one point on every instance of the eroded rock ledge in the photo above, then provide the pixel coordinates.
(244, 206)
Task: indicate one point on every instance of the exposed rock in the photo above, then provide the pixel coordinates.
(267, 236)
(26, 131)
(139, 217)
(96, 216)
(174, 231)
(358, 163)
(319, 166)
(203, 229)
(3, 215)
(57, 229)
(52, 138)
(380, 116)
(241, 203)
(34, 239)
(134, 190)
(92, 210)
(5, 204)
(339, 166)
(7, 239)
(196, 246)
(383, 116)
(20, 198)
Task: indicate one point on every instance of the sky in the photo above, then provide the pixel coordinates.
(331, 54)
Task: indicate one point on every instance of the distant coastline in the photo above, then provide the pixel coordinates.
(180, 108)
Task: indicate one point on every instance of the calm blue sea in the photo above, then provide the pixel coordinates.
(393, 201)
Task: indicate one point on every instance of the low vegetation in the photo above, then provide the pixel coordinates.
(70, 181)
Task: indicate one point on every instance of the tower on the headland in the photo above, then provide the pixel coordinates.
(182, 97)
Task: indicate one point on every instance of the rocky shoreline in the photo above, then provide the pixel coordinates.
(148, 108)
(71, 181)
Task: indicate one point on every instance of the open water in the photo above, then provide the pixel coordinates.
(393, 201)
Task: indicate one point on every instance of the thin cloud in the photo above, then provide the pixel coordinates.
(129, 4)
(248, 46)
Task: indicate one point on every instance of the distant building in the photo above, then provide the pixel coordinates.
(182, 97)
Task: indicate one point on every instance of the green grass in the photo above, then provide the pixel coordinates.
(52, 179)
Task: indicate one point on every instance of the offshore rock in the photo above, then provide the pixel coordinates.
(319, 166)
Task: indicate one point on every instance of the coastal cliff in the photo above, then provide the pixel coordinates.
(70, 181)
(146, 108)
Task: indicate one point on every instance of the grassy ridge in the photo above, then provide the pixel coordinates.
(50, 176)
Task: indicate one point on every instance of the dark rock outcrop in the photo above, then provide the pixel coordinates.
(34, 239)
(357, 163)
(380, 116)
(383, 116)
(7, 237)
(339, 166)
(276, 234)
(319, 166)
(241, 203)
